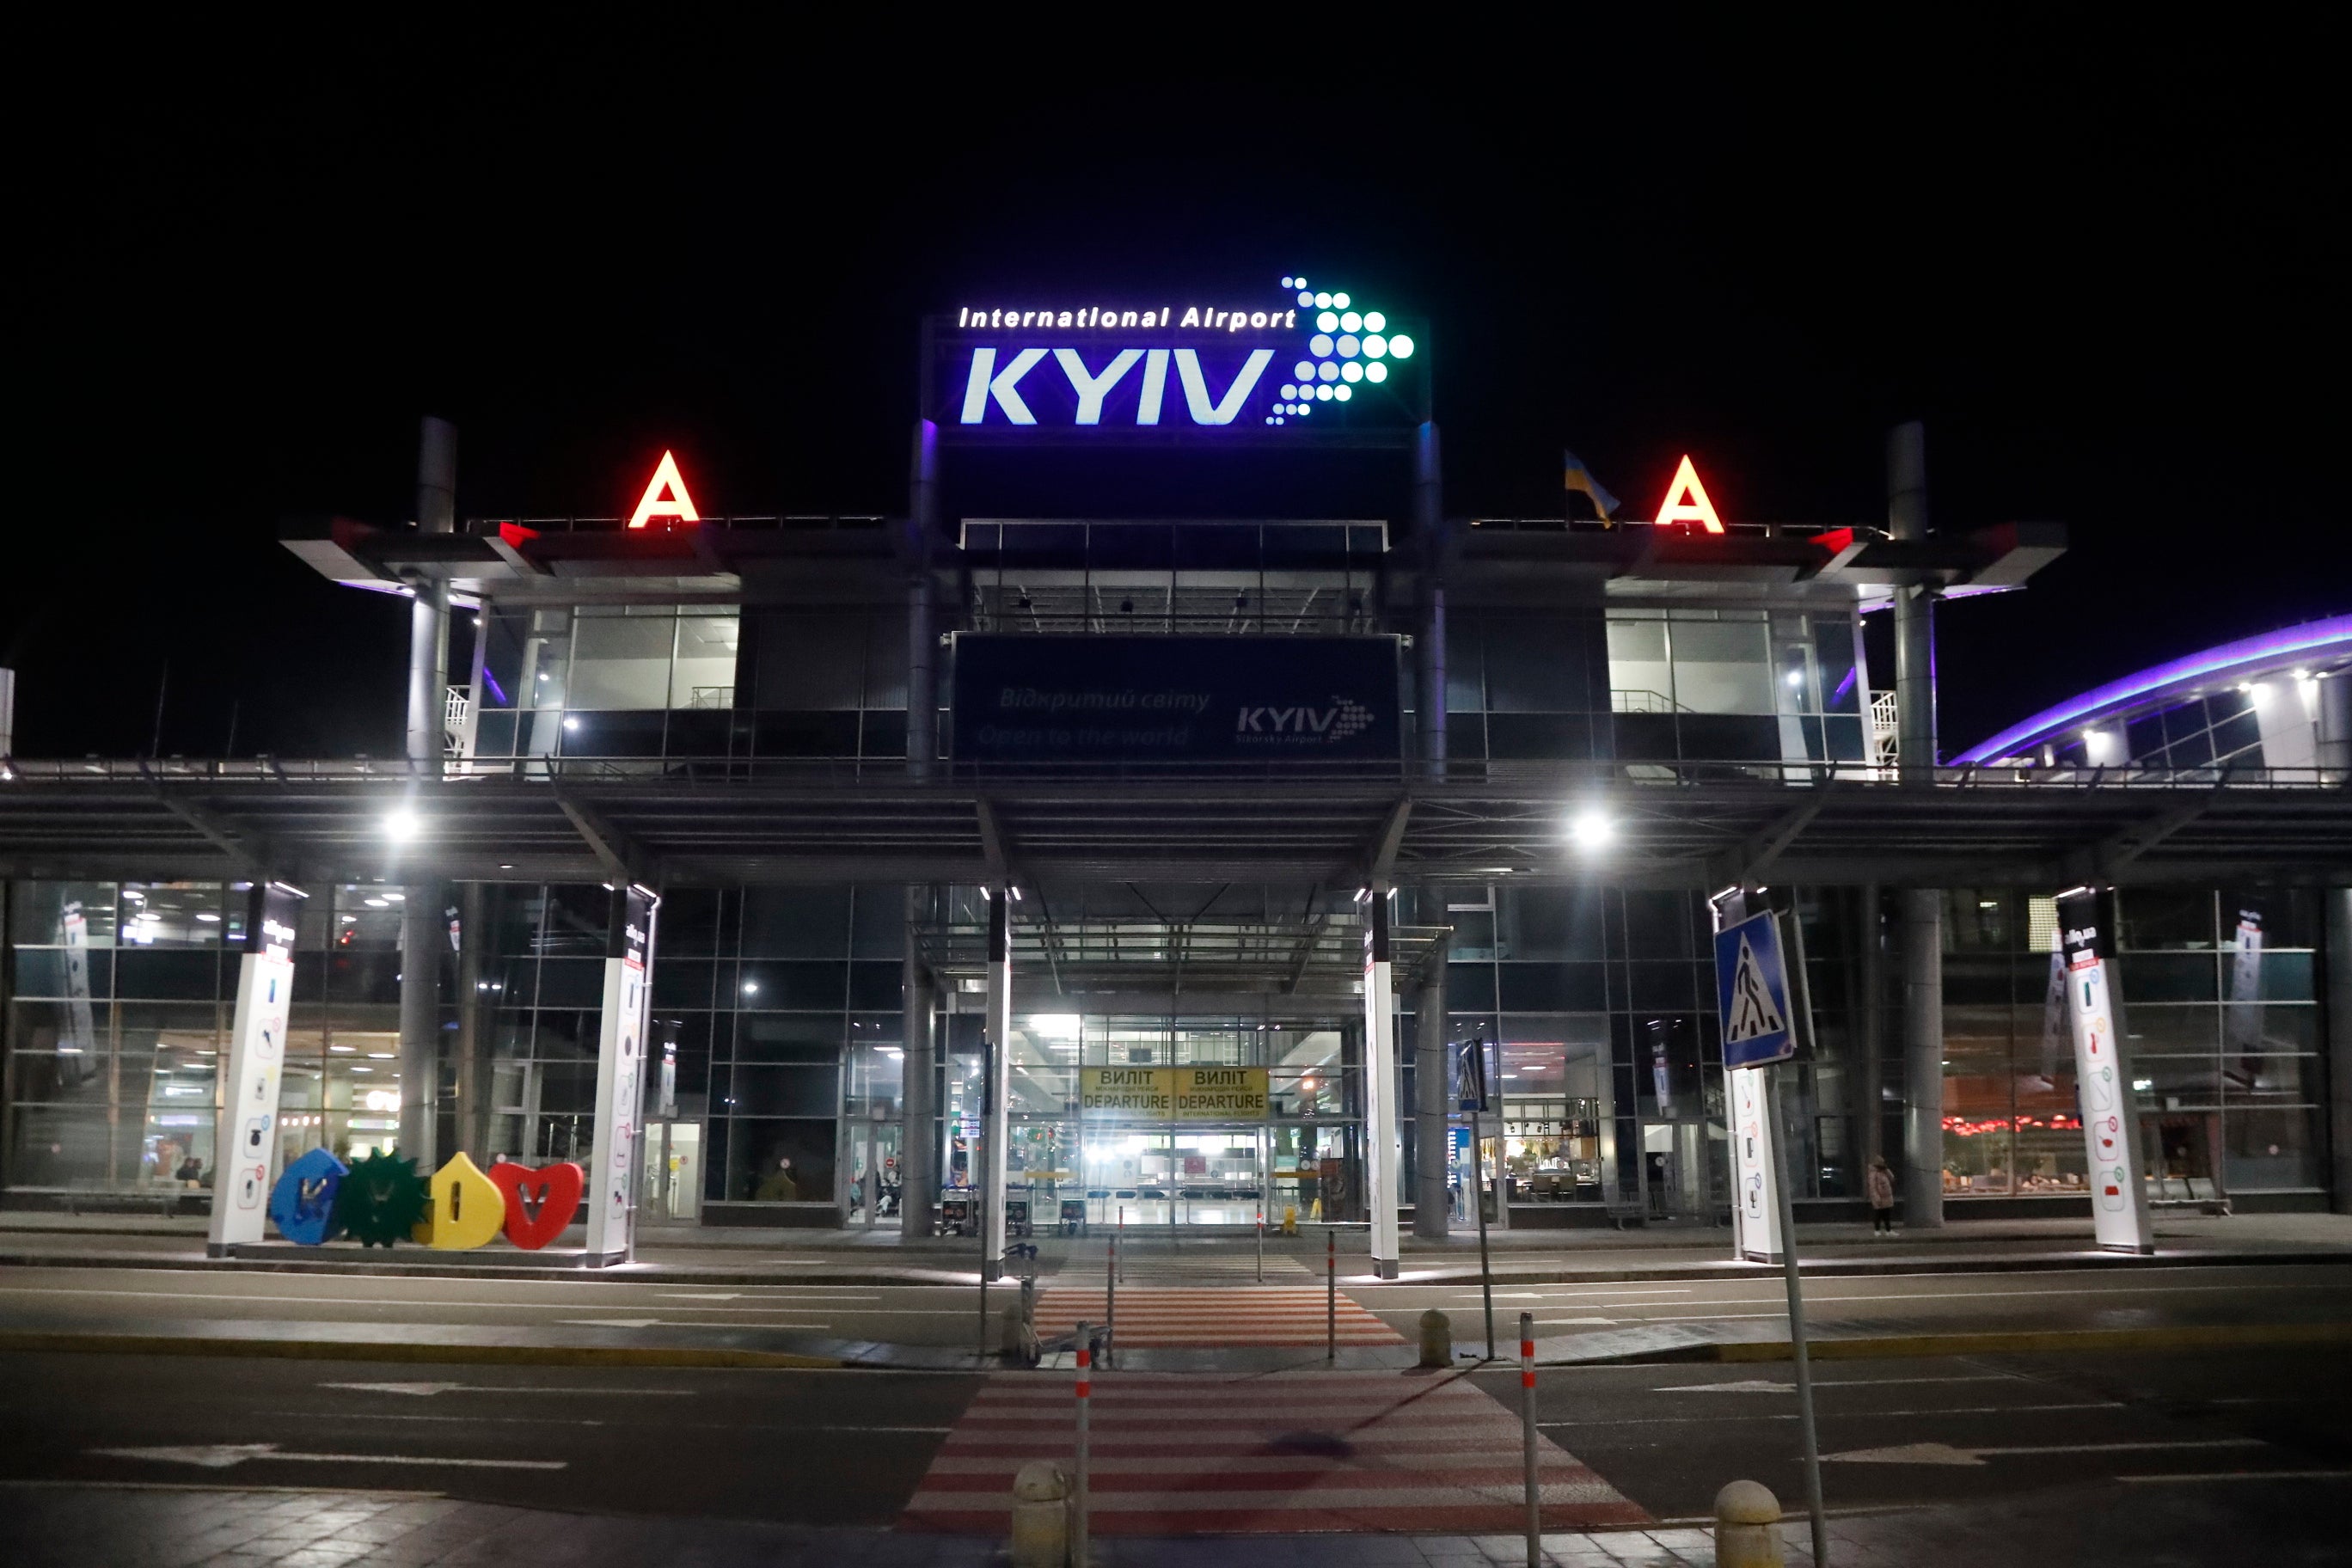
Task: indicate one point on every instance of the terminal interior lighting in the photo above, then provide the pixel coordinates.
(400, 825)
(1591, 829)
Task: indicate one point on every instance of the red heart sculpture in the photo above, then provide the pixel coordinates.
(554, 1191)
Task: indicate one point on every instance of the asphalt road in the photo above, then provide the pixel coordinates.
(848, 1448)
(657, 1312)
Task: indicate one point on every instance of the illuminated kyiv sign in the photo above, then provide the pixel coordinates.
(665, 497)
(1307, 361)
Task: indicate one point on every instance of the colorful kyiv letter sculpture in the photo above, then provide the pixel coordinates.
(539, 1203)
(381, 1198)
(468, 1208)
(302, 1204)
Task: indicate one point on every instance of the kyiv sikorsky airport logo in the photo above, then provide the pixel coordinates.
(1308, 352)
(1304, 722)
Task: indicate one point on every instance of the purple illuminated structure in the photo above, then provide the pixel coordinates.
(2313, 643)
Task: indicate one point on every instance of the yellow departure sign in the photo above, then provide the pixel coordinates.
(1173, 1094)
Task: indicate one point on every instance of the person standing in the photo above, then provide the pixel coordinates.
(1881, 1187)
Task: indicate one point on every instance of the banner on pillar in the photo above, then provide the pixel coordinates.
(1384, 1139)
(247, 1138)
(2119, 1217)
(620, 1075)
(1755, 1212)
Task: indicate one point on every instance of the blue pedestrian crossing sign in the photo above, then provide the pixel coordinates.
(1751, 994)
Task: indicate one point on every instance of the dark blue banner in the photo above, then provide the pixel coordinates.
(1114, 700)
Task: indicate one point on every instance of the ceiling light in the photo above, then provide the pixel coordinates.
(1591, 830)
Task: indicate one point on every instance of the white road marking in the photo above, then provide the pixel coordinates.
(2240, 1476)
(426, 1390)
(1835, 1414)
(612, 1322)
(1945, 1454)
(223, 1455)
(673, 1323)
(1536, 1296)
(1764, 1386)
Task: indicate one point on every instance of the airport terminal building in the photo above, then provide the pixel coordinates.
(1154, 860)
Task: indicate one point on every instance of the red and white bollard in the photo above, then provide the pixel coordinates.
(1331, 1295)
(1528, 1422)
(1078, 1487)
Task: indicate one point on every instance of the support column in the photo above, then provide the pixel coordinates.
(420, 1022)
(1429, 526)
(1430, 1107)
(919, 1132)
(1923, 1056)
(922, 680)
(922, 642)
(1915, 607)
(472, 1128)
(1922, 918)
(429, 683)
(1868, 1010)
(2336, 913)
(1380, 1134)
(997, 1064)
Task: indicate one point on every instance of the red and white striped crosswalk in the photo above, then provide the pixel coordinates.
(1236, 1317)
(1284, 1452)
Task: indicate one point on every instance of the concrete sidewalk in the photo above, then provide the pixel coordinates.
(770, 1257)
(2280, 1521)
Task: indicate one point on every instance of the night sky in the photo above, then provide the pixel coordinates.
(2107, 271)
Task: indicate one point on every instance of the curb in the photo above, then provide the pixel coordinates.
(2199, 1336)
(393, 1268)
(1822, 1268)
(30, 1340)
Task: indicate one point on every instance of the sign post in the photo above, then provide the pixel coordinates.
(2119, 1217)
(1472, 1076)
(247, 1134)
(1751, 990)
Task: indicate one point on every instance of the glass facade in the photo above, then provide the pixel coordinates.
(2220, 999)
(1731, 685)
(120, 996)
(777, 1014)
(714, 688)
(1610, 1084)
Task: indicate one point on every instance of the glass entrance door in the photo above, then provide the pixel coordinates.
(672, 1192)
(1164, 1175)
(873, 1166)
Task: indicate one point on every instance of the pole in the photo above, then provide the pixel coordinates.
(1111, 1296)
(1797, 1320)
(1478, 1201)
(1331, 1295)
(1527, 1429)
(1260, 1246)
(1079, 1489)
(984, 1313)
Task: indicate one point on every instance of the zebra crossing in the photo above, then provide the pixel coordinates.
(1277, 1453)
(1159, 1317)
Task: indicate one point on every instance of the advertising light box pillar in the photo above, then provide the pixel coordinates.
(997, 1062)
(248, 1135)
(2103, 1083)
(1380, 1133)
(620, 1078)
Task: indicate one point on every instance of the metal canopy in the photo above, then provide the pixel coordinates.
(1274, 964)
(1694, 826)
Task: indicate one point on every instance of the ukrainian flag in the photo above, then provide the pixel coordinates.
(1579, 478)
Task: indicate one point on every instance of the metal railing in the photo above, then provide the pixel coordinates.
(953, 774)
